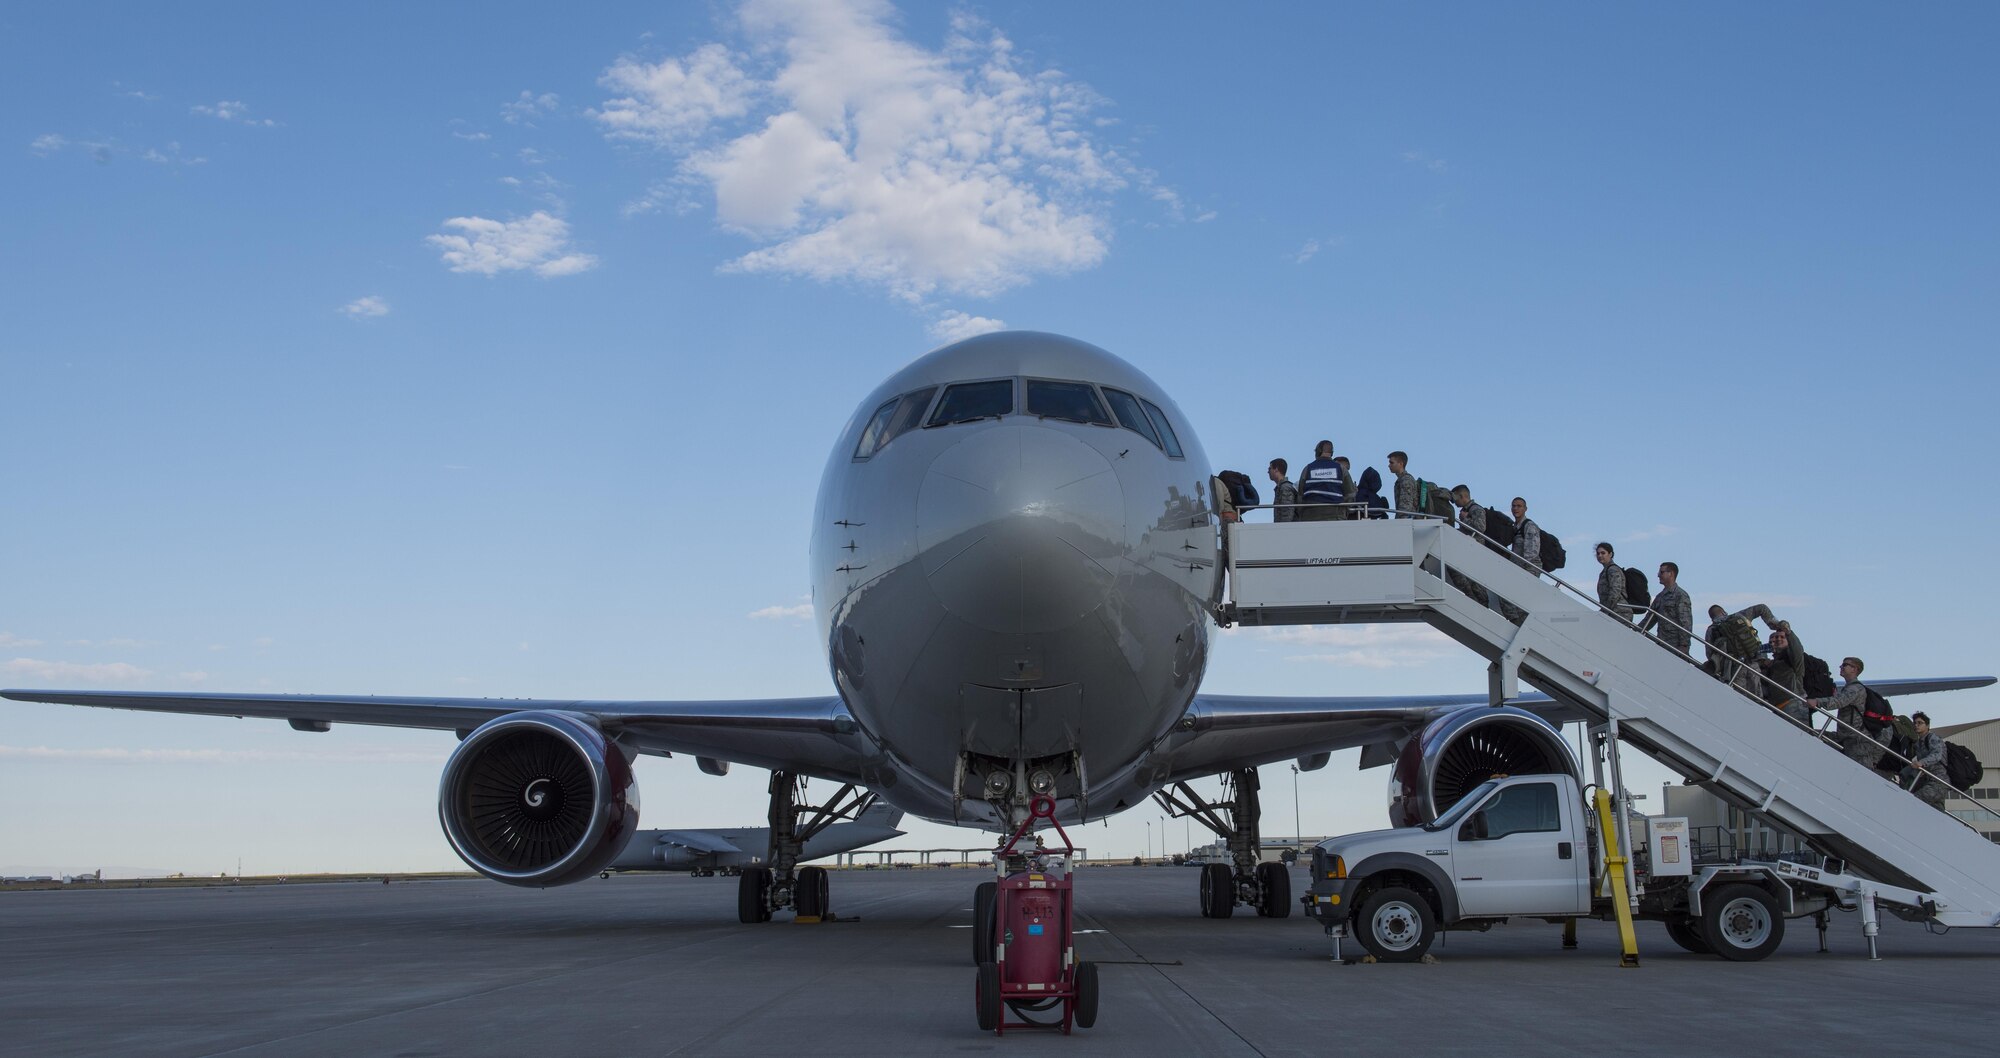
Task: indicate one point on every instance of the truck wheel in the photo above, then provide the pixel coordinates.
(986, 996)
(982, 922)
(1741, 922)
(1276, 882)
(1218, 890)
(1396, 925)
(1086, 994)
(1686, 932)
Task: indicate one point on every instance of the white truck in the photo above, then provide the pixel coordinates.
(1526, 847)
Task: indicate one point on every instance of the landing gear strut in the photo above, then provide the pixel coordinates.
(780, 883)
(1246, 879)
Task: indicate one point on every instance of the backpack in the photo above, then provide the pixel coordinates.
(1499, 530)
(1436, 501)
(1739, 638)
(1553, 555)
(1635, 590)
(1819, 678)
(1961, 767)
(1241, 491)
(1876, 714)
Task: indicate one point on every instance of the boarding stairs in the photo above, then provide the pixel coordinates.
(1644, 692)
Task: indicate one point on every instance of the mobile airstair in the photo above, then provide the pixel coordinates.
(1640, 690)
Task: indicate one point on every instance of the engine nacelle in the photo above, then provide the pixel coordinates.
(1462, 749)
(538, 799)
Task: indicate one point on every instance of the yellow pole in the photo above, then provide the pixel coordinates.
(1614, 868)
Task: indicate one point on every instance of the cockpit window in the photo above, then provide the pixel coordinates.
(1159, 418)
(1131, 416)
(909, 413)
(1069, 401)
(893, 420)
(968, 401)
(871, 437)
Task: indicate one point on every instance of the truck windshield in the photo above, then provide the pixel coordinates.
(1464, 806)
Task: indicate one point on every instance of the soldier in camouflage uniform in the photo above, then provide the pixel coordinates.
(1406, 484)
(1732, 653)
(1284, 494)
(1926, 751)
(1672, 611)
(1848, 704)
(1527, 547)
(1471, 520)
(1610, 580)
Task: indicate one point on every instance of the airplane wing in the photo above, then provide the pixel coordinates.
(816, 736)
(1223, 732)
(694, 840)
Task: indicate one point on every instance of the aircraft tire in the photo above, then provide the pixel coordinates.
(752, 886)
(1741, 922)
(1218, 890)
(813, 890)
(1396, 925)
(1086, 995)
(986, 996)
(982, 922)
(1276, 882)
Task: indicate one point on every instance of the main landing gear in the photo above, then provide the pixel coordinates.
(780, 883)
(1246, 879)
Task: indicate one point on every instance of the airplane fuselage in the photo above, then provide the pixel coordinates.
(1019, 592)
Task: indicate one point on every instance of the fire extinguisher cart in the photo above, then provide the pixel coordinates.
(1030, 935)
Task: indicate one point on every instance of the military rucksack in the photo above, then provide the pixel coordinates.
(1877, 715)
(1435, 501)
(1553, 555)
(1818, 678)
(1961, 767)
(1739, 638)
(1636, 593)
(1242, 492)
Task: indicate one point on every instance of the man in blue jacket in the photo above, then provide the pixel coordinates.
(1323, 486)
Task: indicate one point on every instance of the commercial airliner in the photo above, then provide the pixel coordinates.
(1014, 566)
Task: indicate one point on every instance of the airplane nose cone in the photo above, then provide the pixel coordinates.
(1022, 528)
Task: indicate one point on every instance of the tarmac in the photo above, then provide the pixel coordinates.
(658, 965)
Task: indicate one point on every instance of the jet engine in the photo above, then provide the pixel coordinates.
(538, 799)
(1458, 751)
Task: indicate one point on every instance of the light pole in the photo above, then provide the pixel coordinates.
(1298, 828)
(1149, 839)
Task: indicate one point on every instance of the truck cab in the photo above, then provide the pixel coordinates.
(1515, 845)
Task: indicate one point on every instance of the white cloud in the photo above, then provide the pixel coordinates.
(956, 326)
(462, 129)
(171, 156)
(531, 156)
(1424, 161)
(48, 143)
(802, 611)
(529, 106)
(538, 242)
(1655, 533)
(852, 154)
(9, 639)
(365, 308)
(665, 101)
(231, 110)
(73, 672)
(1306, 252)
(121, 755)
(1361, 646)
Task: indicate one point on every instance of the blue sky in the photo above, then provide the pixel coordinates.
(400, 351)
